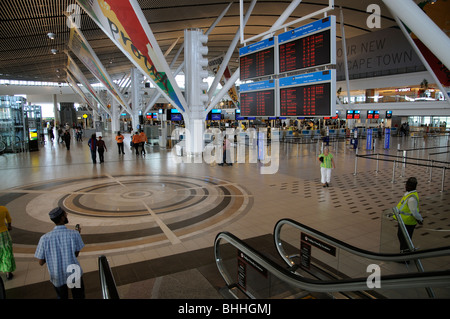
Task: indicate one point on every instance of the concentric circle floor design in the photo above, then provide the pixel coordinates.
(123, 212)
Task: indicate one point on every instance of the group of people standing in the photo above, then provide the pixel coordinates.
(138, 142)
(98, 145)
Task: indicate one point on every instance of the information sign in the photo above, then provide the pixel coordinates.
(310, 94)
(387, 138)
(258, 99)
(308, 46)
(257, 60)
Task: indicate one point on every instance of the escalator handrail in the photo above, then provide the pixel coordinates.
(426, 253)
(107, 283)
(398, 281)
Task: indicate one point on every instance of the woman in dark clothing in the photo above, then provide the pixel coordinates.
(93, 147)
(66, 138)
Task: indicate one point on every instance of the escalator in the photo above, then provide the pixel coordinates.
(249, 274)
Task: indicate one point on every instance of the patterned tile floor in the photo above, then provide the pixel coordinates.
(156, 218)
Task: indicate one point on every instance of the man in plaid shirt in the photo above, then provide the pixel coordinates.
(59, 249)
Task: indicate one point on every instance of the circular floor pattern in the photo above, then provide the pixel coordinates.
(121, 212)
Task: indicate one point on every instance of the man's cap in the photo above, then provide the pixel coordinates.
(55, 212)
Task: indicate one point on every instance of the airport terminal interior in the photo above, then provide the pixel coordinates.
(166, 221)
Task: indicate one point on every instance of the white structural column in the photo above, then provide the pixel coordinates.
(196, 94)
(135, 95)
(115, 123)
(423, 27)
(55, 109)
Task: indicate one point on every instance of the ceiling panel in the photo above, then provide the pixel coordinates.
(25, 51)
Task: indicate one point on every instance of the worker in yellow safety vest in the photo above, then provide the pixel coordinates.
(408, 208)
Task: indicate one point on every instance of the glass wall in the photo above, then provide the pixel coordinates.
(12, 123)
(432, 121)
(389, 95)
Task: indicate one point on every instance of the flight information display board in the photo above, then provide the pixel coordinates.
(310, 95)
(257, 60)
(373, 114)
(257, 99)
(308, 46)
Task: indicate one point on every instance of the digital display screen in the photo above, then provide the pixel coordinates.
(349, 114)
(388, 114)
(33, 135)
(306, 100)
(238, 116)
(309, 51)
(376, 114)
(334, 117)
(357, 114)
(369, 115)
(258, 64)
(257, 103)
(176, 117)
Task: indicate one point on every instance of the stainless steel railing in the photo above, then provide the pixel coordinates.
(108, 285)
(411, 280)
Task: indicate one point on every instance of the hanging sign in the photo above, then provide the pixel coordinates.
(81, 48)
(71, 82)
(126, 25)
(76, 72)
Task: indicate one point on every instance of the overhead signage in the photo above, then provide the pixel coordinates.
(308, 46)
(310, 95)
(81, 48)
(257, 60)
(388, 114)
(71, 82)
(76, 72)
(258, 99)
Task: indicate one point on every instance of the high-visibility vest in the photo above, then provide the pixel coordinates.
(404, 210)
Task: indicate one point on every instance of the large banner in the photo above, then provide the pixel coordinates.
(214, 65)
(125, 24)
(81, 48)
(71, 82)
(76, 72)
(377, 52)
(438, 12)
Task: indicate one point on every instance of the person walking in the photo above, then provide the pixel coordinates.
(408, 208)
(93, 147)
(7, 261)
(226, 155)
(60, 134)
(51, 136)
(59, 249)
(66, 138)
(119, 140)
(143, 140)
(326, 164)
(101, 148)
(136, 142)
